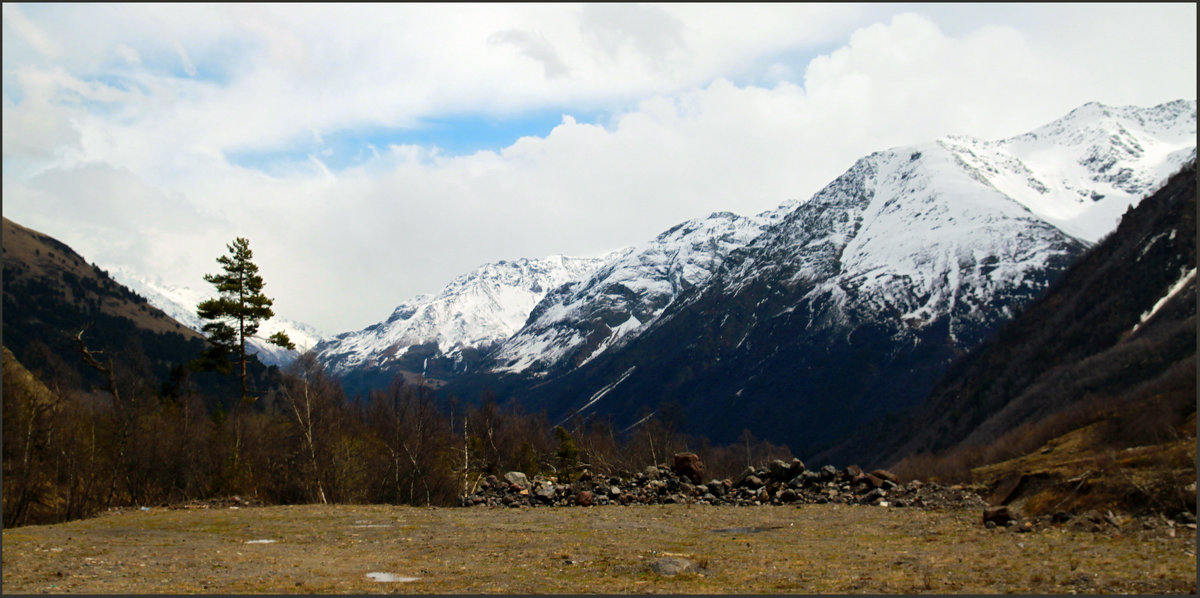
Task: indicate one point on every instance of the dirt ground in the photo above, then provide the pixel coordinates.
(771, 549)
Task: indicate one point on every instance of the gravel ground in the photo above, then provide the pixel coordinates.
(637, 549)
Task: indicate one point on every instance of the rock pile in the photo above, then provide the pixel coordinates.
(777, 483)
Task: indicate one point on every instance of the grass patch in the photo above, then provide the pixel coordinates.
(810, 549)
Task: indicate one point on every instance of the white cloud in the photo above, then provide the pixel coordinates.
(129, 160)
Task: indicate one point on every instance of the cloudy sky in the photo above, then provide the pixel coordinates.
(373, 152)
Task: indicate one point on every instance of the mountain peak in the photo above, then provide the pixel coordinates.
(473, 311)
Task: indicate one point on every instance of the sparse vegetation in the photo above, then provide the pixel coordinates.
(316, 549)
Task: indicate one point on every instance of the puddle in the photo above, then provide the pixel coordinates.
(260, 541)
(390, 577)
(744, 530)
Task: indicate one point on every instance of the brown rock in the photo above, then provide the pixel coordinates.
(585, 498)
(1000, 516)
(884, 474)
(689, 465)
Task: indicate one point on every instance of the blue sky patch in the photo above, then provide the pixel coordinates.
(458, 135)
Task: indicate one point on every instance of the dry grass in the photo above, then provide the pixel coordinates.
(1075, 472)
(810, 549)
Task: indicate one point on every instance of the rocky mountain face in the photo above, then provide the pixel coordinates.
(579, 320)
(1119, 326)
(850, 305)
(179, 302)
(439, 336)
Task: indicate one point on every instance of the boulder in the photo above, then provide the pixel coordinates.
(585, 498)
(689, 466)
(716, 487)
(518, 479)
(778, 470)
(671, 566)
(544, 491)
(884, 474)
(998, 516)
(752, 482)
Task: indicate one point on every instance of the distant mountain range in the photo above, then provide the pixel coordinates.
(805, 321)
(798, 324)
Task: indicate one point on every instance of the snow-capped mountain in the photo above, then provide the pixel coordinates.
(851, 304)
(180, 302)
(1081, 172)
(471, 313)
(581, 319)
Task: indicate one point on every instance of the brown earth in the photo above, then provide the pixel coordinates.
(768, 549)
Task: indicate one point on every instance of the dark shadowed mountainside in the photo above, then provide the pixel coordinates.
(1117, 331)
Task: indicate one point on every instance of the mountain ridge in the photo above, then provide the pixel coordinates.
(845, 272)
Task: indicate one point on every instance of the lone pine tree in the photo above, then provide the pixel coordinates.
(236, 313)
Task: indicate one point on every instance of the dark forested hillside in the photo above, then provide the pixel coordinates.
(1117, 331)
(51, 294)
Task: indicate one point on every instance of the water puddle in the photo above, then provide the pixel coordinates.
(260, 541)
(744, 530)
(390, 577)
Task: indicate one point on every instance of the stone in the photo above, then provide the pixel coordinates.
(874, 495)
(999, 516)
(672, 565)
(884, 474)
(689, 466)
(585, 498)
(544, 491)
(752, 482)
(716, 488)
(853, 471)
(518, 479)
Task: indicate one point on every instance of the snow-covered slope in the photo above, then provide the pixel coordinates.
(474, 311)
(932, 229)
(581, 319)
(853, 302)
(1082, 171)
(180, 302)
(905, 234)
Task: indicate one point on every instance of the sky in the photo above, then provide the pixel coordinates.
(373, 152)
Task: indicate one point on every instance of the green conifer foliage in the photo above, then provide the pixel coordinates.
(238, 310)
